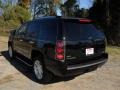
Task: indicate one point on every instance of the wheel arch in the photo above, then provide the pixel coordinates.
(37, 53)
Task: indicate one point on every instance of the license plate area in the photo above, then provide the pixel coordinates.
(89, 51)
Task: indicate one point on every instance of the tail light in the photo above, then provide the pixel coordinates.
(59, 50)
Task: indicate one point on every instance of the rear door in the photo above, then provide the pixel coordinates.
(31, 37)
(19, 38)
(83, 41)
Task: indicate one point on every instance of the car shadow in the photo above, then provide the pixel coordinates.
(27, 71)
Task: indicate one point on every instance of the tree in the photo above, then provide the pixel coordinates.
(21, 14)
(45, 7)
(107, 14)
(1, 6)
(114, 26)
(12, 15)
(68, 5)
(24, 3)
(98, 13)
(6, 9)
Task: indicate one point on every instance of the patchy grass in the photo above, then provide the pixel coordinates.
(4, 34)
(113, 50)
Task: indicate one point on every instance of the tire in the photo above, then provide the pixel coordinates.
(11, 52)
(40, 72)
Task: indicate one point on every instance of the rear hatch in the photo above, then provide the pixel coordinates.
(83, 41)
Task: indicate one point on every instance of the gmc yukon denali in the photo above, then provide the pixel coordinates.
(59, 46)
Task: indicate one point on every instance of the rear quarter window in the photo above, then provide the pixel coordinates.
(33, 29)
(48, 30)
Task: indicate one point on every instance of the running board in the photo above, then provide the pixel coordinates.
(24, 62)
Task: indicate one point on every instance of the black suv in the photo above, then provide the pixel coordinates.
(59, 46)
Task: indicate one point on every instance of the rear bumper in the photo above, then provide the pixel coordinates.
(60, 69)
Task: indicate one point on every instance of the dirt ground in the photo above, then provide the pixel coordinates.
(14, 75)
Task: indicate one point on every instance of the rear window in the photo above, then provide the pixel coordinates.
(77, 31)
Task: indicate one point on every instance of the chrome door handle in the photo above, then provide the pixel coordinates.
(21, 40)
(31, 42)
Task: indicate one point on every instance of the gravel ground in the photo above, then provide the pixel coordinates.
(14, 75)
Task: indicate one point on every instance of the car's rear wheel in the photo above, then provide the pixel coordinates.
(10, 51)
(40, 72)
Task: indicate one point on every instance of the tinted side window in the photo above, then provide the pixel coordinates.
(48, 30)
(22, 30)
(33, 29)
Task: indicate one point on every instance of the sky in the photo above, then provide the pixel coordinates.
(85, 3)
(13, 1)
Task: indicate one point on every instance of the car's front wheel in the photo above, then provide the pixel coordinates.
(40, 72)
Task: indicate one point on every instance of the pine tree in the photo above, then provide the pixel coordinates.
(115, 21)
